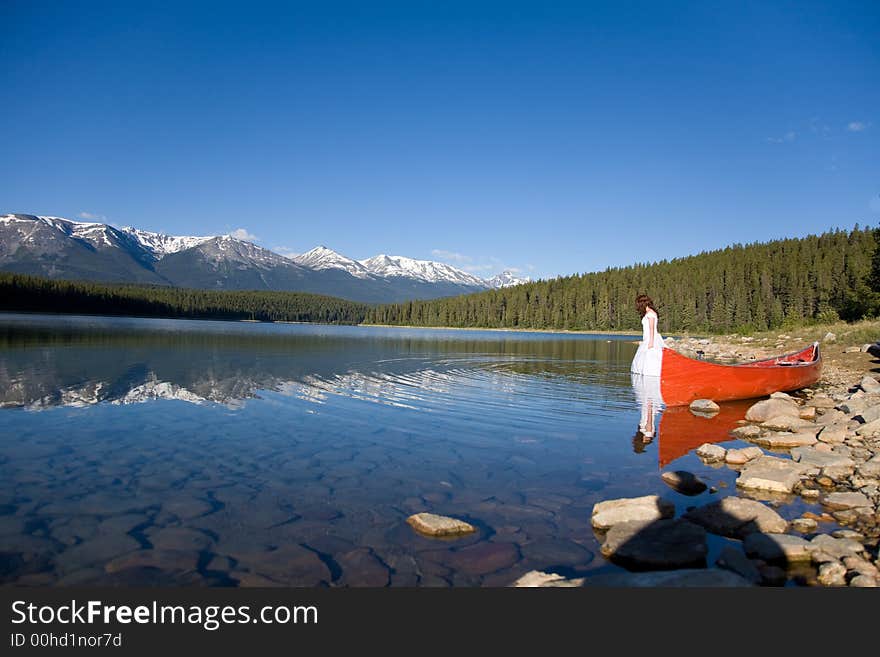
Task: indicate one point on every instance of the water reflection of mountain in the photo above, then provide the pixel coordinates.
(47, 362)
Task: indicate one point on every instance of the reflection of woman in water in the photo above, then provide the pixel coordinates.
(647, 389)
(646, 372)
(649, 355)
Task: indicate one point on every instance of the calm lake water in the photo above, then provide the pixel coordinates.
(169, 452)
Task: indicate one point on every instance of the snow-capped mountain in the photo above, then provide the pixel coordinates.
(160, 244)
(422, 270)
(506, 279)
(55, 247)
(323, 258)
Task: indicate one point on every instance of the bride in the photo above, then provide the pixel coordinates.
(649, 355)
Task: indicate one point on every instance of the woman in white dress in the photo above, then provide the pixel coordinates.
(649, 356)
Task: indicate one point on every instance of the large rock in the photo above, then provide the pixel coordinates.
(840, 501)
(702, 577)
(747, 432)
(869, 414)
(436, 525)
(833, 433)
(832, 573)
(869, 429)
(870, 468)
(710, 452)
(811, 456)
(733, 559)
(684, 482)
(874, 349)
(788, 423)
(785, 439)
(865, 581)
(539, 579)
(853, 406)
(769, 408)
(869, 384)
(771, 474)
(833, 416)
(742, 456)
(704, 406)
(736, 517)
(639, 509)
(825, 548)
(777, 547)
(657, 545)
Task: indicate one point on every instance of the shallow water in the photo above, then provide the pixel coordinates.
(143, 451)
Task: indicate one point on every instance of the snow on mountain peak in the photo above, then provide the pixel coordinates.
(160, 244)
(424, 270)
(323, 258)
(507, 278)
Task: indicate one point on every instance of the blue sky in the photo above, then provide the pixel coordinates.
(552, 138)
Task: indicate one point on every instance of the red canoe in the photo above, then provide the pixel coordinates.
(683, 379)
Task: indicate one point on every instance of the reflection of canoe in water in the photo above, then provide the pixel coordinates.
(683, 379)
(681, 431)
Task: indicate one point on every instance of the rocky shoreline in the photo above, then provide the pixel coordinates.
(820, 444)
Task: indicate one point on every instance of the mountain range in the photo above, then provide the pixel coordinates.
(55, 247)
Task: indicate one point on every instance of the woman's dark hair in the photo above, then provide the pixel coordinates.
(640, 441)
(643, 302)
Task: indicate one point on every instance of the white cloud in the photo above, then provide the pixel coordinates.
(789, 136)
(476, 268)
(857, 126)
(243, 234)
(286, 251)
(450, 255)
(89, 216)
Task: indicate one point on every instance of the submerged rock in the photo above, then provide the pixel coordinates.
(484, 558)
(557, 553)
(436, 525)
(684, 482)
(701, 577)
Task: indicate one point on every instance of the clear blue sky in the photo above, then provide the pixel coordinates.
(551, 137)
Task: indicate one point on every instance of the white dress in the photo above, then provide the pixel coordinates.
(648, 361)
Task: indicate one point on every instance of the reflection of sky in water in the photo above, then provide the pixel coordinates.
(192, 452)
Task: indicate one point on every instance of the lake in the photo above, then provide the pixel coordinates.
(141, 452)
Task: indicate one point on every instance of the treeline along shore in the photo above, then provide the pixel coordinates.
(743, 288)
(33, 294)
